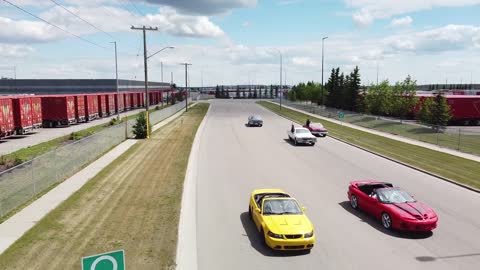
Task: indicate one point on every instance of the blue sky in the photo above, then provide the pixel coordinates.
(237, 41)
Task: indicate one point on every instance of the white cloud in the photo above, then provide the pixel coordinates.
(304, 61)
(207, 7)
(402, 22)
(288, 2)
(246, 24)
(167, 19)
(367, 11)
(14, 51)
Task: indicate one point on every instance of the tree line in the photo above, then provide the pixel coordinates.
(345, 92)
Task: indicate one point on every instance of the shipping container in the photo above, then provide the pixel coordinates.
(58, 110)
(91, 107)
(80, 111)
(102, 105)
(119, 102)
(22, 114)
(7, 125)
(465, 109)
(110, 104)
(127, 101)
(37, 117)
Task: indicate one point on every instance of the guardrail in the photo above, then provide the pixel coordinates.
(22, 183)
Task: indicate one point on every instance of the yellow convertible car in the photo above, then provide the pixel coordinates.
(280, 220)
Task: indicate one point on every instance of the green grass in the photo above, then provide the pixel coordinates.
(452, 167)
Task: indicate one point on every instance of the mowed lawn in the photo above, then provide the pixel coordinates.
(133, 204)
(458, 169)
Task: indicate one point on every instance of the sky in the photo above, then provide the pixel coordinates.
(240, 41)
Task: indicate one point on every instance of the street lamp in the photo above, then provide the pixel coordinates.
(323, 90)
(281, 64)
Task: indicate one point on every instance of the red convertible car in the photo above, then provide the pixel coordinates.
(394, 207)
(316, 129)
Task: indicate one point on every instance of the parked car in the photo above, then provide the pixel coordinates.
(271, 210)
(255, 120)
(317, 129)
(301, 135)
(394, 207)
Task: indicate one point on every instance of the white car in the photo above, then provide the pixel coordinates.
(300, 135)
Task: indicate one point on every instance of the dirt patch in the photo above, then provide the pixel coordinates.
(133, 204)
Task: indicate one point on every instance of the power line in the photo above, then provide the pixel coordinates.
(58, 27)
(87, 22)
(138, 10)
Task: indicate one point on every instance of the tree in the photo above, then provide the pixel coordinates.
(140, 127)
(352, 90)
(250, 91)
(404, 98)
(271, 91)
(255, 95)
(180, 96)
(222, 93)
(276, 91)
(441, 113)
(217, 92)
(425, 114)
(238, 91)
(378, 99)
(265, 93)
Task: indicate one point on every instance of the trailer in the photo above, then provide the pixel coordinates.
(58, 110)
(102, 105)
(91, 107)
(7, 125)
(134, 100)
(22, 114)
(465, 109)
(37, 117)
(141, 102)
(80, 111)
(119, 102)
(110, 104)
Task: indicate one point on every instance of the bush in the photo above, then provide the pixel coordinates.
(75, 136)
(18, 161)
(113, 122)
(157, 108)
(140, 127)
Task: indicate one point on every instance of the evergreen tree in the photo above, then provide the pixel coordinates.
(276, 91)
(353, 89)
(265, 93)
(250, 91)
(140, 127)
(238, 91)
(271, 91)
(255, 95)
(217, 92)
(222, 94)
(425, 114)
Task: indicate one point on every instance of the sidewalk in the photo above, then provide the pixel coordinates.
(391, 136)
(17, 225)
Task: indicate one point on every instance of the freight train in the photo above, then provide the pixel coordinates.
(465, 109)
(20, 114)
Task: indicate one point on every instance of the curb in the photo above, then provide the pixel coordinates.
(186, 257)
(396, 161)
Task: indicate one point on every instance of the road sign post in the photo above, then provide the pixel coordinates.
(114, 260)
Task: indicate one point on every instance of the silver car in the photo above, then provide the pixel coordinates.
(255, 120)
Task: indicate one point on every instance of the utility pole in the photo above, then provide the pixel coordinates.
(186, 84)
(323, 90)
(281, 66)
(116, 81)
(144, 29)
(161, 68)
(377, 72)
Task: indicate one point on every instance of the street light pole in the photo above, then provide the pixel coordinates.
(161, 68)
(116, 81)
(281, 67)
(323, 90)
(186, 84)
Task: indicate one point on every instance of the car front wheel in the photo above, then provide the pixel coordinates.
(386, 221)
(354, 202)
(296, 143)
(262, 237)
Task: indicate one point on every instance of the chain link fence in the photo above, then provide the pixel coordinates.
(465, 139)
(22, 183)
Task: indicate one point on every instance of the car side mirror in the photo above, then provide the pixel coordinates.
(304, 208)
(258, 210)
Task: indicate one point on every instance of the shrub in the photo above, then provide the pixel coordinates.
(140, 127)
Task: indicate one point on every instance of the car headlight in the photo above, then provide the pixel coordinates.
(308, 235)
(274, 235)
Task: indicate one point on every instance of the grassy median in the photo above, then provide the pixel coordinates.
(133, 204)
(455, 168)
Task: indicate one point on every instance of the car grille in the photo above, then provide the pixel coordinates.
(294, 247)
(293, 236)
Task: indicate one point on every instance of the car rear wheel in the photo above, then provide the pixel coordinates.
(260, 125)
(386, 221)
(354, 202)
(250, 212)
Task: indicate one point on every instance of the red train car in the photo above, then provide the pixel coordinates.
(58, 110)
(134, 100)
(37, 117)
(141, 102)
(465, 109)
(110, 104)
(80, 111)
(119, 102)
(102, 105)
(91, 107)
(7, 125)
(127, 101)
(22, 114)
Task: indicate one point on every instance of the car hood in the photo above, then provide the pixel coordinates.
(415, 210)
(304, 135)
(318, 129)
(288, 224)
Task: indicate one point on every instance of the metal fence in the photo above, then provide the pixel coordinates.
(465, 139)
(23, 182)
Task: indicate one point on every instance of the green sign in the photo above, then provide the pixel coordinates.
(341, 115)
(114, 260)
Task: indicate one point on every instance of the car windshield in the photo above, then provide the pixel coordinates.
(256, 117)
(316, 125)
(301, 130)
(394, 196)
(281, 207)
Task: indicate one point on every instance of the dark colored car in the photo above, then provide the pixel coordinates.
(255, 120)
(317, 129)
(394, 207)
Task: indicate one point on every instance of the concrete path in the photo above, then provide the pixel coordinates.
(392, 136)
(13, 228)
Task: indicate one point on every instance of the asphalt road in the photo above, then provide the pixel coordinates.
(235, 159)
